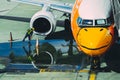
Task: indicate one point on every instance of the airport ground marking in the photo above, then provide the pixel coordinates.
(92, 75)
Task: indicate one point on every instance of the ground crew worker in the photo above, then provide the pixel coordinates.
(29, 34)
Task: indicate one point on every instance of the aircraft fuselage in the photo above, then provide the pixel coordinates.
(93, 31)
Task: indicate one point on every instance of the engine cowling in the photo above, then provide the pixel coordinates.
(43, 60)
(43, 22)
(47, 56)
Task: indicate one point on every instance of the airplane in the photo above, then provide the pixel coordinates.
(44, 52)
(91, 23)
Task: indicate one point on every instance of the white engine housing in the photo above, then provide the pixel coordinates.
(43, 22)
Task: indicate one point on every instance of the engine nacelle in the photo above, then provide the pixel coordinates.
(43, 60)
(43, 22)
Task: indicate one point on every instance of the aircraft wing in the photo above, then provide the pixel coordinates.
(56, 5)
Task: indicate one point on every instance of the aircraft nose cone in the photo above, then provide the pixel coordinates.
(93, 39)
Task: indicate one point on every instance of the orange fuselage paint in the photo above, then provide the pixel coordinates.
(94, 40)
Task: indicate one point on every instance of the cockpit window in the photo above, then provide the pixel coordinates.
(84, 22)
(100, 22)
(87, 22)
(95, 22)
(79, 21)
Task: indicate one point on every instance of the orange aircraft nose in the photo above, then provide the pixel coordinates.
(94, 41)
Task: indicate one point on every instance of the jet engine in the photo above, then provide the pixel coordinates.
(43, 60)
(43, 22)
(47, 56)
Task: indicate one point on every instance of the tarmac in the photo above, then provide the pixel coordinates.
(59, 75)
(18, 30)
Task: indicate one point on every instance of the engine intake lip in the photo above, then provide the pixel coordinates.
(42, 26)
(47, 60)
